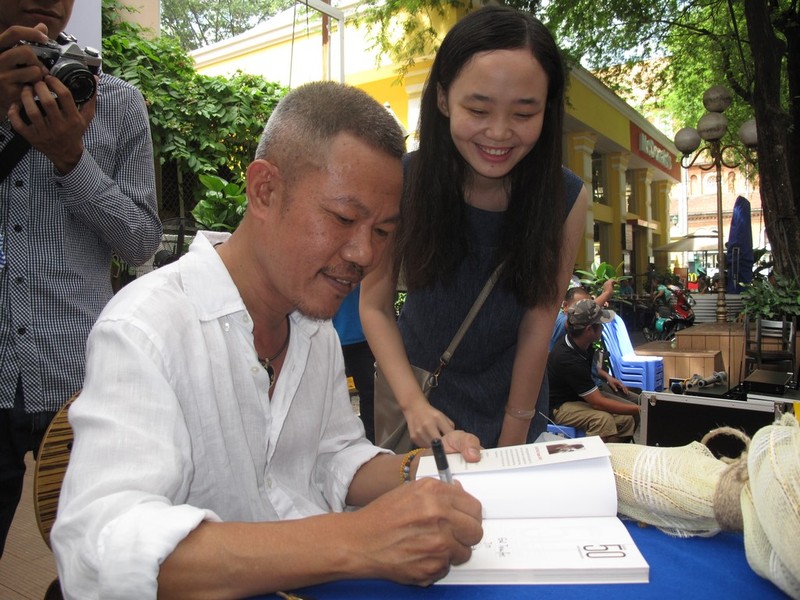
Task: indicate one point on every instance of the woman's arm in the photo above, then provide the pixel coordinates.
(534, 334)
(376, 309)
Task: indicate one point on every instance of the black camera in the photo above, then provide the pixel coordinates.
(74, 66)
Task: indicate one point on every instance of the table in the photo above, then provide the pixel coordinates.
(683, 363)
(728, 338)
(681, 568)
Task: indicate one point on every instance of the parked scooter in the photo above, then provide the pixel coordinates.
(671, 316)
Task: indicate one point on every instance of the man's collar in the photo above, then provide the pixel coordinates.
(575, 346)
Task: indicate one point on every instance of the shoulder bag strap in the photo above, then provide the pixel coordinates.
(473, 312)
(16, 148)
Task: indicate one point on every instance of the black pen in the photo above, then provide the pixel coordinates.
(441, 461)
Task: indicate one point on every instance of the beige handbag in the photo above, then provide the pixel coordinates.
(391, 429)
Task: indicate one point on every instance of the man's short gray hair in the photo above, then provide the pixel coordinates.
(304, 122)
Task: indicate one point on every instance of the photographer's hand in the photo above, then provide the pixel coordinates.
(56, 127)
(19, 65)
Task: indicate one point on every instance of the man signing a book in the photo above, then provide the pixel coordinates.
(216, 452)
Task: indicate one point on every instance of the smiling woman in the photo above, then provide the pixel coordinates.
(496, 109)
(485, 189)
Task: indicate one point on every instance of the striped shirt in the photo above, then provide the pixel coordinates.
(58, 233)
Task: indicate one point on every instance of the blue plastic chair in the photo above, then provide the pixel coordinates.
(565, 431)
(644, 372)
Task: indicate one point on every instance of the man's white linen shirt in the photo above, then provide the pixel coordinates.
(175, 426)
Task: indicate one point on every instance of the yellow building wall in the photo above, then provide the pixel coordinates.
(146, 13)
(597, 113)
(293, 56)
(386, 91)
(289, 51)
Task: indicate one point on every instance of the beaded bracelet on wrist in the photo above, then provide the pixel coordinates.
(405, 465)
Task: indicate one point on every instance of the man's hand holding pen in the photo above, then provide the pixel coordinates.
(414, 533)
(442, 465)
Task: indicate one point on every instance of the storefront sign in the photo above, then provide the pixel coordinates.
(655, 153)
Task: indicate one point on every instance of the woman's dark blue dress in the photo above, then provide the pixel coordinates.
(473, 388)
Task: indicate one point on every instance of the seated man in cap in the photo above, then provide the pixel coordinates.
(575, 399)
(605, 381)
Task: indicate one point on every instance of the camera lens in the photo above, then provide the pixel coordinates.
(77, 78)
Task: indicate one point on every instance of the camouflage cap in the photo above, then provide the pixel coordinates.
(586, 312)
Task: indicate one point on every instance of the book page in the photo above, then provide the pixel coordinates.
(583, 488)
(590, 550)
(538, 480)
(525, 455)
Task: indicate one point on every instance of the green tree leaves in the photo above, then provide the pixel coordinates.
(197, 23)
(208, 125)
(223, 204)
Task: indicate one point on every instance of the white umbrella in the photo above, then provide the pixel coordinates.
(690, 243)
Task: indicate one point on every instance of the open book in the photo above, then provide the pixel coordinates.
(550, 516)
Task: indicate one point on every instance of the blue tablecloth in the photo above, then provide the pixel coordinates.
(680, 568)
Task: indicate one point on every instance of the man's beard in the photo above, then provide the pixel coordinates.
(355, 272)
(315, 313)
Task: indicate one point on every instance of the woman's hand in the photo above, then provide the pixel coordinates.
(426, 423)
(466, 444)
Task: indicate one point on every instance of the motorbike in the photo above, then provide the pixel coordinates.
(671, 316)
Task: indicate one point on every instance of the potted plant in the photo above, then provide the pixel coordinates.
(594, 280)
(771, 298)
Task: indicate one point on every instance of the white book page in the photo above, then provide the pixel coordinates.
(591, 550)
(526, 455)
(583, 488)
(535, 481)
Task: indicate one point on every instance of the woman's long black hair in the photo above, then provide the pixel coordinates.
(432, 238)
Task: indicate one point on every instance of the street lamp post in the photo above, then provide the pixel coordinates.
(711, 128)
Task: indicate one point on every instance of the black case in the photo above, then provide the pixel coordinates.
(676, 419)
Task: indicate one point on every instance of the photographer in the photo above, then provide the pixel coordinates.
(76, 183)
